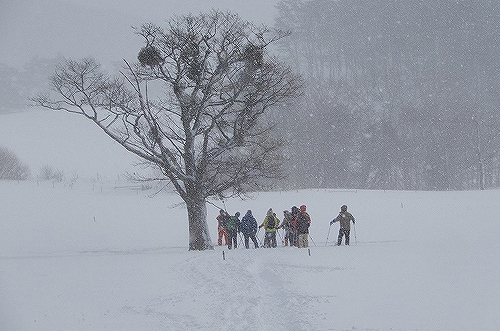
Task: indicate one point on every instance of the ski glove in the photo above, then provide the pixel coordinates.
(331, 222)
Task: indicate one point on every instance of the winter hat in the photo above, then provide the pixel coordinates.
(343, 208)
(249, 212)
(270, 211)
(221, 211)
(303, 208)
(237, 214)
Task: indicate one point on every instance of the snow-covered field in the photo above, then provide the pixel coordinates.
(97, 256)
(94, 253)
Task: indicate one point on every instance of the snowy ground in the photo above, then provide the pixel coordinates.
(97, 256)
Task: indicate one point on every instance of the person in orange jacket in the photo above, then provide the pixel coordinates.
(222, 220)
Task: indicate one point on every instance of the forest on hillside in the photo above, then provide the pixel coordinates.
(399, 94)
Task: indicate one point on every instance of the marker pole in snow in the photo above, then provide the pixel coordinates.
(328, 235)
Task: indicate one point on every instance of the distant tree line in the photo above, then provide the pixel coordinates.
(400, 94)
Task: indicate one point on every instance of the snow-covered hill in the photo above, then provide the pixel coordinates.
(100, 256)
(64, 142)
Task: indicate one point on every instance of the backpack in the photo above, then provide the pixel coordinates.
(223, 220)
(232, 224)
(248, 224)
(271, 223)
(302, 224)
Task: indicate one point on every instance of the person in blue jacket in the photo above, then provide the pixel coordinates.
(248, 226)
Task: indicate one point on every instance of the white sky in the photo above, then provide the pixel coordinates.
(73, 28)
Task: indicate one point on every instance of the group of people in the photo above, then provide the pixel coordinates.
(295, 224)
(228, 227)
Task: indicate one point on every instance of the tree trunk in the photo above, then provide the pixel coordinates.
(199, 237)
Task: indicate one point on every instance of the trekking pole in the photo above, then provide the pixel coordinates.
(328, 235)
(241, 238)
(354, 227)
(312, 240)
(281, 238)
(265, 240)
(214, 205)
(258, 239)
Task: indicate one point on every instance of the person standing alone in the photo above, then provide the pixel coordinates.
(344, 218)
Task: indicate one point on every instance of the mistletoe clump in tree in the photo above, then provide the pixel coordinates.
(213, 81)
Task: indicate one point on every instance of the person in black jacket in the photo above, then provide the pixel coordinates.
(302, 223)
(248, 226)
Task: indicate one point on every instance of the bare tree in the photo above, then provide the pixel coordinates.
(10, 166)
(212, 80)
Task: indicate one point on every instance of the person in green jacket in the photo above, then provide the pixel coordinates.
(232, 227)
(270, 224)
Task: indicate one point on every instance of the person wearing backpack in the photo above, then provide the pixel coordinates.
(344, 218)
(270, 224)
(287, 226)
(232, 227)
(248, 226)
(303, 221)
(222, 220)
